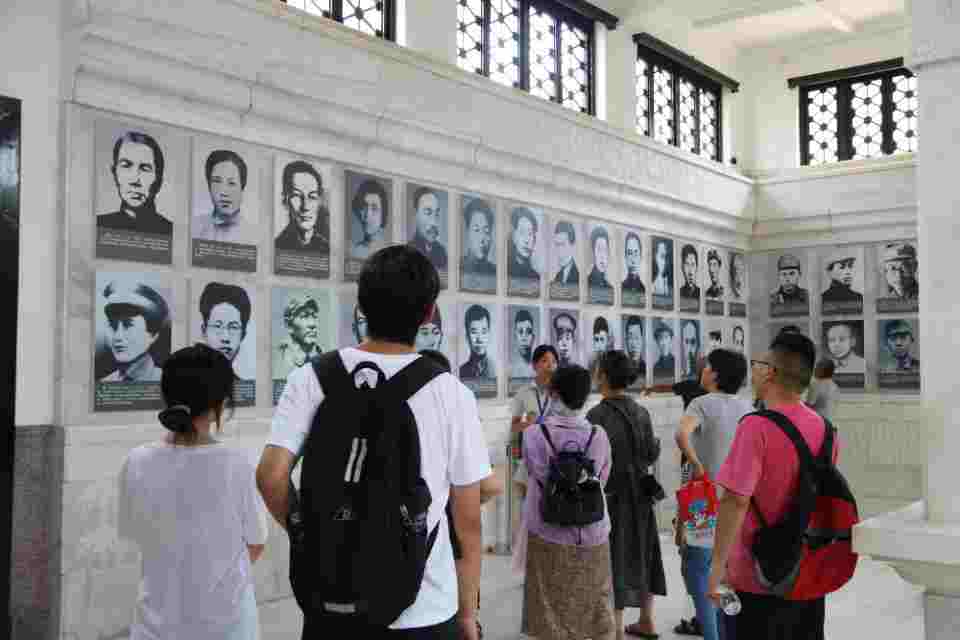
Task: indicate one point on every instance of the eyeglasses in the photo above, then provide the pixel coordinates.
(754, 363)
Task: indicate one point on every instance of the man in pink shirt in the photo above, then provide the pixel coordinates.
(763, 467)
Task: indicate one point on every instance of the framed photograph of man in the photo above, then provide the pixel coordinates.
(367, 221)
(525, 251)
(438, 333)
(713, 332)
(221, 315)
(688, 281)
(663, 348)
(603, 336)
(301, 218)
(225, 224)
(790, 296)
(132, 339)
(738, 288)
(564, 272)
(141, 175)
(302, 328)
(565, 335)
(691, 348)
(428, 226)
(524, 334)
(634, 332)
(737, 336)
(351, 321)
(478, 268)
(842, 278)
(898, 289)
(478, 348)
(898, 361)
(633, 288)
(599, 287)
(715, 287)
(842, 341)
(661, 273)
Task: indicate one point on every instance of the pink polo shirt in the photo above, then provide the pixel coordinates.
(763, 463)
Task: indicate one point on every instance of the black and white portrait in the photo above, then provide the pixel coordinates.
(738, 290)
(634, 334)
(565, 335)
(689, 279)
(691, 348)
(564, 272)
(428, 225)
(602, 337)
(633, 288)
(663, 348)
(367, 219)
(478, 368)
(599, 287)
(302, 329)
(478, 268)
(715, 281)
(437, 333)
(301, 219)
(714, 337)
(525, 252)
(133, 339)
(898, 289)
(843, 343)
(524, 335)
(141, 175)
(223, 320)
(842, 277)
(790, 295)
(351, 321)
(898, 358)
(661, 273)
(738, 337)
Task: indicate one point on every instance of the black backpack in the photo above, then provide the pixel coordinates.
(572, 495)
(358, 529)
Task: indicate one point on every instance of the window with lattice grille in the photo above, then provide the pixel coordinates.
(373, 17)
(869, 114)
(539, 46)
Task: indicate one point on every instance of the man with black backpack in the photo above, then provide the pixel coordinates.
(384, 437)
(781, 472)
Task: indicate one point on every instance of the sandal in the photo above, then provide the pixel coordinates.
(634, 630)
(689, 627)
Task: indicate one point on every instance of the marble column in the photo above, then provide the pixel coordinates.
(923, 540)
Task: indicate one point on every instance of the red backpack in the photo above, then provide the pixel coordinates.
(810, 552)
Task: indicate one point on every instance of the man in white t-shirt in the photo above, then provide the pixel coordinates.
(398, 289)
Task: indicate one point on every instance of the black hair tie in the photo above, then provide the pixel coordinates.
(177, 418)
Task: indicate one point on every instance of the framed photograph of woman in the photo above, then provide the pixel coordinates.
(661, 273)
(367, 222)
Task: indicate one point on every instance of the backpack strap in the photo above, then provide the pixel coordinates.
(826, 450)
(593, 432)
(546, 434)
(331, 373)
(412, 378)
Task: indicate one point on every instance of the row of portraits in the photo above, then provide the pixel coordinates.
(138, 205)
(134, 336)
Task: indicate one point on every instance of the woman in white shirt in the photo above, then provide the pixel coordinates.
(192, 506)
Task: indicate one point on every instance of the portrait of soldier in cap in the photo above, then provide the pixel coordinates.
(789, 298)
(843, 275)
(714, 263)
(137, 334)
(304, 317)
(899, 287)
(899, 342)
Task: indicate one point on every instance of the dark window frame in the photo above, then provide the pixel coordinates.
(389, 17)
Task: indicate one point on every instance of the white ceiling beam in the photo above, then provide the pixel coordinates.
(750, 10)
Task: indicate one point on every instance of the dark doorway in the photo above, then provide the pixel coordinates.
(9, 278)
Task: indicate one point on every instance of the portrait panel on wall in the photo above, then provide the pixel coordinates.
(367, 222)
(737, 337)
(437, 334)
(351, 322)
(302, 329)
(842, 342)
(564, 241)
(790, 295)
(428, 226)
(140, 182)
(691, 348)
(663, 350)
(634, 332)
(714, 281)
(599, 287)
(604, 335)
(225, 211)
(132, 339)
(301, 219)
(688, 280)
(478, 228)
(898, 290)
(738, 287)
(661, 272)
(525, 251)
(842, 278)
(898, 362)
(478, 348)
(221, 316)
(565, 335)
(524, 335)
(633, 288)
(713, 335)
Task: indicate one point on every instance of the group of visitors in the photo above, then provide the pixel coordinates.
(385, 519)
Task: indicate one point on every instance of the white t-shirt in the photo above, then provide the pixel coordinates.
(192, 511)
(452, 452)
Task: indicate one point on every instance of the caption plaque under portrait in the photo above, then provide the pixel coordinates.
(301, 220)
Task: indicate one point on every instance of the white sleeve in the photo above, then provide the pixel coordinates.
(469, 459)
(253, 512)
(295, 410)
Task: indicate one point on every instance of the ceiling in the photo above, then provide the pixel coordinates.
(753, 23)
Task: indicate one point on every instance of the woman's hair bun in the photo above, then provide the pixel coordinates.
(177, 418)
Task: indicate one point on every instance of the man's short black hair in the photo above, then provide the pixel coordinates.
(572, 383)
(662, 328)
(617, 367)
(794, 354)
(543, 350)
(219, 293)
(478, 205)
(138, 137)
(522, 212)
(730, 367)
(225, 155)
(419, 193)
(691, 250)
(596, 234)
(397, 287)
(715, 334)
(565, 227)
(600, 325)
(522, 316)
(475, 313)
(567, 316)
(295, 167)
(633, 321)
(368, 187)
